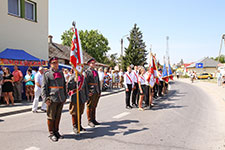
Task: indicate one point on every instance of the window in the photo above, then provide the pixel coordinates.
(14, 7)
(30, 10)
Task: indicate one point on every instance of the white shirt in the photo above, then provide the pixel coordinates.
(128, 79)
(135, 76)
(120, 73)
(101, 75)
(142, 80)
(38, 79)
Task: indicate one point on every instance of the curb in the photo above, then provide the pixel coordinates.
(29, 109)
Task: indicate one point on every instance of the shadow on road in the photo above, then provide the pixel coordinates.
(165, 102)
(107, 129)
(1, 120)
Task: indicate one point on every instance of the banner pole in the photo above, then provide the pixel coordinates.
(78, 105)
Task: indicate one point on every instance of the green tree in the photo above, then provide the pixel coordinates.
(222, 59)
(93, 42)
(136, 53)
(66, 37)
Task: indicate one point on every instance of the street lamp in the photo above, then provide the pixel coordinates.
(122, 43)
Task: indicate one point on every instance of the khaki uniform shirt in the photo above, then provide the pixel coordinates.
(49, 86)
(83, 92)
(93, 81)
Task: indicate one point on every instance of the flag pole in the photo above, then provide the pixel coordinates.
(78, 104)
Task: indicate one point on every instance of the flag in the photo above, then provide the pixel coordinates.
(151, 73)
(165, 74)
(199, 65)
(76, 56)
(155, 68)
(170, 73)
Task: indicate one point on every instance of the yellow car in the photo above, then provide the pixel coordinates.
(205, 76)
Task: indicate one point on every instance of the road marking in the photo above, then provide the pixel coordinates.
(32, 148)
(121, 115)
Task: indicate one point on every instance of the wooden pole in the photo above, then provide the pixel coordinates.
(78, 104)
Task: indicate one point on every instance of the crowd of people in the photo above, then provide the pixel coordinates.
(142, 89)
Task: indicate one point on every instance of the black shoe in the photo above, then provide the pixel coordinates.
(59, 136)
(128, 107)
(96, 123)
(82, 129)
(43, 110)
(134, 105)
(91, 124)
(53, 138)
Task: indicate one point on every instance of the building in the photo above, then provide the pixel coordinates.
(63, 53)
(24, 25)
(209, 66)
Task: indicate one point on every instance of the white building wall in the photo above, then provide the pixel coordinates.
(19, 33)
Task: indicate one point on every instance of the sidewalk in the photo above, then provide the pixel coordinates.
(217, 92)
(26, 106)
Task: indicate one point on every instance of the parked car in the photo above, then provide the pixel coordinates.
(205, 76)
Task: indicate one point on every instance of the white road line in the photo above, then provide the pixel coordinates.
(32, 148)
(121, 115)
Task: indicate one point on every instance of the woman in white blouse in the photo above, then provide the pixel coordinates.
(142, 87)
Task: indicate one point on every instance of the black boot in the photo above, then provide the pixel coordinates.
(56, 132)
(94, 117)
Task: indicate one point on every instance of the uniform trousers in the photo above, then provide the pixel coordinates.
(135, 94)
(128, 93)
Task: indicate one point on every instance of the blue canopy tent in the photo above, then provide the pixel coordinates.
(11, 57)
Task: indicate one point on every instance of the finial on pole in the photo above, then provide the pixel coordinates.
(74, 24)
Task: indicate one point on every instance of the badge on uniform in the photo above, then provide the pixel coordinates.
(57, 75)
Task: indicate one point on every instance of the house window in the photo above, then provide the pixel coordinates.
(14, 7)
(30, 10)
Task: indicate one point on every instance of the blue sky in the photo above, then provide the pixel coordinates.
(195, 27)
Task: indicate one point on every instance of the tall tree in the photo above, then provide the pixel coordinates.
(136, 53)
(93, 42)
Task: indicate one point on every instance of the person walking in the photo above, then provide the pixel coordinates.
(83, 97)
(7, 87)
(101, 77)
(94, 88)
(121, 78)
(129, 85)
(37, 91)
(135, 91)
(53, 92)
(142, 87)
(18, 77)
(219, 78)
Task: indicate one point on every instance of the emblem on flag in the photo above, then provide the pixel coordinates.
(76, 56)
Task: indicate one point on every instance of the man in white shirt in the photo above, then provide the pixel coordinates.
(37, 91)
(129, 85)
(101, 76)
(135, 91)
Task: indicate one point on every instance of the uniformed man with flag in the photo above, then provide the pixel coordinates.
(83, 97)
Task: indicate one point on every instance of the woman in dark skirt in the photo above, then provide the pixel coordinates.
(142, 87)
(7, 87)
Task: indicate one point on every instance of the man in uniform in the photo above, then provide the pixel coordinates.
(129, 85)
(83, 97)
(135, 91)
(54, 95)
(94, 88)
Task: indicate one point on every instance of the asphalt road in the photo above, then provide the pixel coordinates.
(186, 119)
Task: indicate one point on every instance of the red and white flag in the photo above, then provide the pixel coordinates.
(153, 73)
(76, 55)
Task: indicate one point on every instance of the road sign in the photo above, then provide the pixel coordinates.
(199, 65)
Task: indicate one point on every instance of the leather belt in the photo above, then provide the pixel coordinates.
(92, 83)
(56, 87)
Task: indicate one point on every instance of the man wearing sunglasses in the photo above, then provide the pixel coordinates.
(54, 95)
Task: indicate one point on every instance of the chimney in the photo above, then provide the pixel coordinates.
(50, 39)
